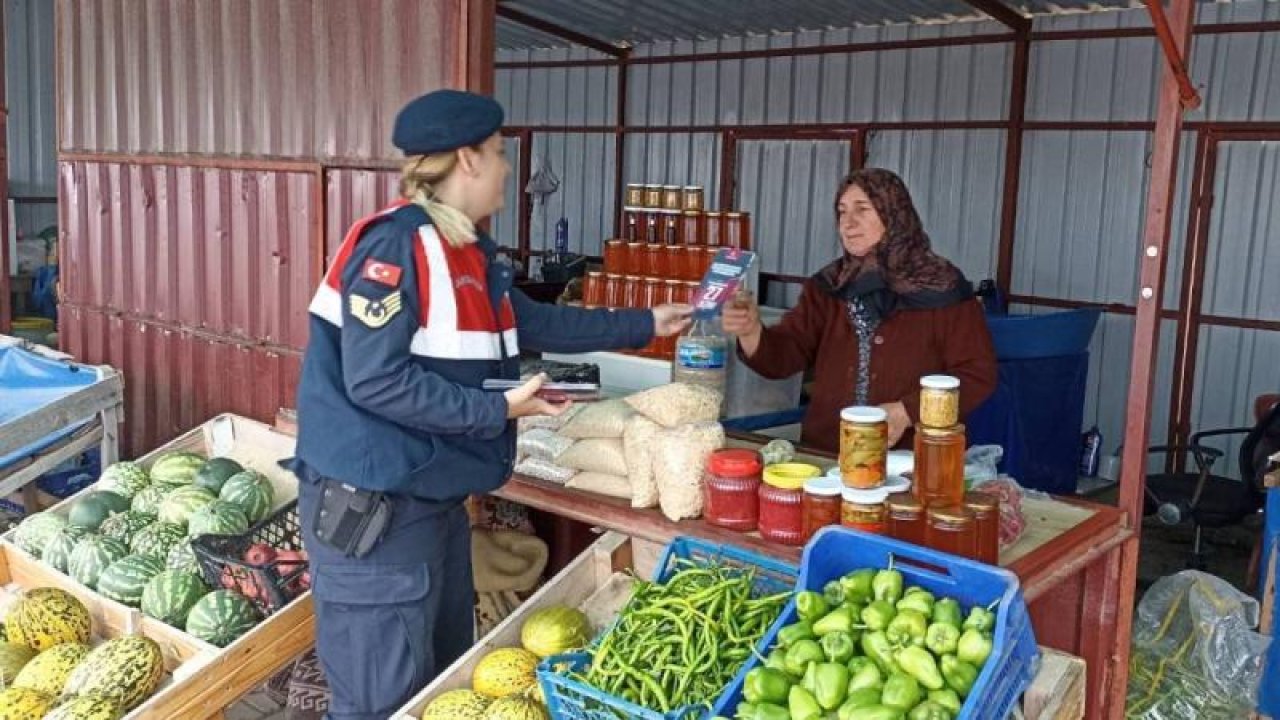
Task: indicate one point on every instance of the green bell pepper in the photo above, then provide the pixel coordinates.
(974, 647)
(838, 620)
(762, 711)
(929, 710)
(801, 654)
(833, 593)
(811, 605)
(958, 674)
(878, 615)
(838, 646)
(832, 685)
(810, 680)
(866, 697)
(875, 712)
(876, 646)
(803, 705)
(947, 610)
(777, 659)
(921, 601)
(947, 698)
(919, 664)
(865, 674)
(887, 585)
(795, 632)
(980, 619)
(942, 638)
(908, 628)
(857, 585)
(901, 691)
(767, 685)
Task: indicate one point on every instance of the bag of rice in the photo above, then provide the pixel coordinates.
(637, 446)
(677, 404)
(542, 443)
(603, 455)
(544, 470)
(679, 467)
(601, 483)
(604, 419)
(548, 422)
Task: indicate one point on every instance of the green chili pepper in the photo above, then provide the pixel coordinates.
(974, 647)
(919, 664)
(832, 685)
(958, 674)
(929, 710)
(838, 620)
(865, 674)
(908, 628)
(866, 697)
(942, 638)
(838, 646)
(776, 660)
(921, 601)
(795, 632)
(980, 619)
(833, 593)
(801, 654)
(802, 704)
(887, 585)
(947, 610)
(947, 698)
(901, 691)
(876, 646)
(875, 712)
(878, 615)
(810, 680)
(857, 585)
(811, 605)
(764, 684)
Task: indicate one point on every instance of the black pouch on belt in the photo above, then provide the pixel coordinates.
(349, 519)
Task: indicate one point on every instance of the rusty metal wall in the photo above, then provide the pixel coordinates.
(349, 196)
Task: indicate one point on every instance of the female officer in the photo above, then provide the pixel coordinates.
(394, 428)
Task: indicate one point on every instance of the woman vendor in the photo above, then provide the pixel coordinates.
(874, 321)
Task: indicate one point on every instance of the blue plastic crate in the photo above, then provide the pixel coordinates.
(569, 699)
(836, 551)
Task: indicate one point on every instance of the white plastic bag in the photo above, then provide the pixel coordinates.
(542, 443)
(638, 442)
(679, 467)
(545, 470)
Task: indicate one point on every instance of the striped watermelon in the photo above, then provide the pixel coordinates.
(126, 578)
(180, 503)
(218, 518)
(125, 526)
(251, 491)
(183, 557)
(92, 555)
(126, 669)
(123, 478)
(170, 595)
(94, 507)
(216, 472)
(36, 531)
(176, 468)
(58, 552)
(220, 617)
(147, 501)
(157, 539)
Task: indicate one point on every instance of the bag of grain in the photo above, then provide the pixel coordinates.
(603, 455)
(601, 483)
(677, 404)
(679, 468)
(638, 446)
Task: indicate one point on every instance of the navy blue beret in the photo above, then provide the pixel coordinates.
(445, 120)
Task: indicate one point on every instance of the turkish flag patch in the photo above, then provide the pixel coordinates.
(381, 272)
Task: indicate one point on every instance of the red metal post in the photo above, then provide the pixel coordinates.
(728, 167)
(1152, 265)
(619, 142)
(858, 151)
(1174, 54)
(1013, 161)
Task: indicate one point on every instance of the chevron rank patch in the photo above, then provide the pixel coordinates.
(375, 313)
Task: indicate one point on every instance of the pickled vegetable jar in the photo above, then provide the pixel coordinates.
(864, 443)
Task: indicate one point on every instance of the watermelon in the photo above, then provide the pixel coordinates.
(125, 579)
(58, 551)
(157, 539)
(251, 491)
(91, 556)
(218, 518)
(124, 478)
(147, 501)
(180, 503)
(220, 617)
(170, 595)
(36, 531)
(183, 557)
(216, 472)
(126, 669)
(94, 507)
(125, 526)
(45, 617)
(176, 468)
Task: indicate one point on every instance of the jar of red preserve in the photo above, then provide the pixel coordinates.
(731, 490)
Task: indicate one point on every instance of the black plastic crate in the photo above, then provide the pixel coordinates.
(269, 585)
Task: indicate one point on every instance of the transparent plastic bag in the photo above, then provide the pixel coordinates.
(981, 464)
(1194, 652)
(545, 470)
(548, 422)
(1013, 522)
(542, 443)
(679, 468)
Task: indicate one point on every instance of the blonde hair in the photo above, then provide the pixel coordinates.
(419, 177)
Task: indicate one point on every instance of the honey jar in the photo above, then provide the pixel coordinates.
(939, 401)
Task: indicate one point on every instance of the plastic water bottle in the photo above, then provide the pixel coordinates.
(701, 356)
(562, 239)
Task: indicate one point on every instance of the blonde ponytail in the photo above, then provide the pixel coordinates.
(419, 177)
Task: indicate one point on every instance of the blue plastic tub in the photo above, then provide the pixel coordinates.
(568, 699)
(1021, 337)
(836, 551)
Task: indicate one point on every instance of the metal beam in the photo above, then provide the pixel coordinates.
(1002, 14)
(1176, 55)
(546, 26)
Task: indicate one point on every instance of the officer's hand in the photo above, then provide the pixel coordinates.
(671, 319)
(523, 401)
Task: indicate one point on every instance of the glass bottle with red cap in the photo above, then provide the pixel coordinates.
(731, 490)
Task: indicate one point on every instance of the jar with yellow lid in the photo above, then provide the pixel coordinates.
(939, 401)
(864, 444)
(781, 497)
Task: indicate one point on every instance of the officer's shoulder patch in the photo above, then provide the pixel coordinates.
(375, 313)
(381, 272)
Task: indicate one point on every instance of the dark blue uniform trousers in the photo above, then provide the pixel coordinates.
(389, 622)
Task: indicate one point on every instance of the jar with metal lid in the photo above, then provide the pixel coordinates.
(593, 289)
(671, 198)
(655, 258)
(691, 197)
(938, 477)
(864, 443)
(736, 230)
(732, 489)
(653, 196)
(635, 196)
(939, 401)
(864, 510)
(951, 529)
(713, 228)
(635, 258)
(820, 506)
(781, 497)
(613, 295)
(652, 228)
(631, 291)
(691, 228)
(615, 256)
(671, 229)
(905, 517)
(986, 514)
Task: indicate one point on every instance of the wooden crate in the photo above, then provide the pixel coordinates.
(202, 679)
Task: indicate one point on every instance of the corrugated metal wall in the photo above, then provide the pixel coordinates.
(28, 39)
